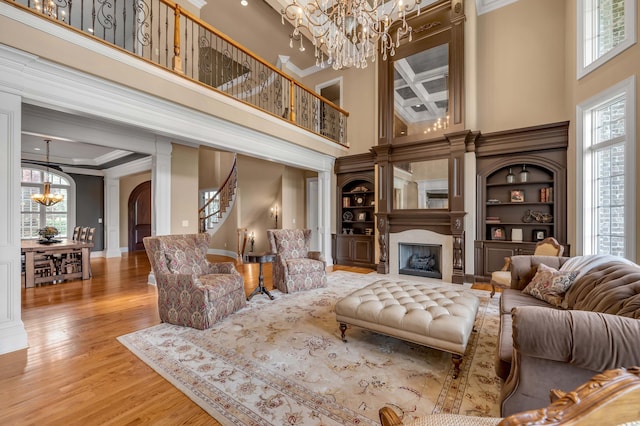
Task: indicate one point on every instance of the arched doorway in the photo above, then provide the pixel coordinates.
(139, 208)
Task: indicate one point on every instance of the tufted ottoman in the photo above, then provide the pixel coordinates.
(438, 316)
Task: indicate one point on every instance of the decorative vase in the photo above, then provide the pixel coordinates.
(511, 177)
(524, 174)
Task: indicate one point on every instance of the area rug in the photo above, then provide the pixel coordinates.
(282, 362)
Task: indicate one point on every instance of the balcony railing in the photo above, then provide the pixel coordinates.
(162, 32)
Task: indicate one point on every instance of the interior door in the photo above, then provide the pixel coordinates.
(139, 215)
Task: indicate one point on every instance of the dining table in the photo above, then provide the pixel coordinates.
(55, 249)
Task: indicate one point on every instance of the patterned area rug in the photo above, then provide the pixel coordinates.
(282, 362)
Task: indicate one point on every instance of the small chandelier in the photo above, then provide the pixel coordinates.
(49, 8)
(350, 30)
(47, 198)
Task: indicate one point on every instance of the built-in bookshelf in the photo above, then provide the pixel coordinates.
(353, 243)
(521, 187)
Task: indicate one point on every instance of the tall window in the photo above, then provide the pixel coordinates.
(34, 216)
(606, 168)
(605, 28)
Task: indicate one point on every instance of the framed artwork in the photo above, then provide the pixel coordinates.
(517, 196)
(497, 233)
(539, 234)
(362, 217)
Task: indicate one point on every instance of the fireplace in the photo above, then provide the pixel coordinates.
(424, 260)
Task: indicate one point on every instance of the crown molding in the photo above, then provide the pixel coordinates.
(486, 6)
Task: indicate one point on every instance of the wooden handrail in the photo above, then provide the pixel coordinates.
(225, 193)
(226, 181)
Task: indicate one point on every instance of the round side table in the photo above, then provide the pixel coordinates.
(260, 258)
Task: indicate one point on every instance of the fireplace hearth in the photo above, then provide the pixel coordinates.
(424, 260)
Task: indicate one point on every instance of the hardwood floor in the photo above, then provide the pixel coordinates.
(75, 372)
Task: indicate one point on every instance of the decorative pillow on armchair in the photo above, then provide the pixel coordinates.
(550, 284)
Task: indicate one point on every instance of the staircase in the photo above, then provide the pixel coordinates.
(217, 207)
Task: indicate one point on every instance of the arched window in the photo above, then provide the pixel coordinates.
(34, 216)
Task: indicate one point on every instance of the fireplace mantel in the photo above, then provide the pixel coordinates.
(442, 221)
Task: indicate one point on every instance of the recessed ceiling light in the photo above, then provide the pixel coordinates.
(244, 2)
(36, 149)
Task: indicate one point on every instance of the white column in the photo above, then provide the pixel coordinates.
(13, 335)
(324, 214)
(112, 215)
(161, 188)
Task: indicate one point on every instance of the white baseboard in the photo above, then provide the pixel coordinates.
(227, 253)
(100, 253)
(124, 249)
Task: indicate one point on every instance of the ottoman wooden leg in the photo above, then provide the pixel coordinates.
(457, 360)
(343, 329)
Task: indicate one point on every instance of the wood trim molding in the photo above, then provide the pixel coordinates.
(440, 23)
(486, 6)
(446, 222)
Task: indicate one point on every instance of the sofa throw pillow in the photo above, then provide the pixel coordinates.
(550, 284)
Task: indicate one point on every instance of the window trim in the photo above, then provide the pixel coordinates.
(628, 89)
(71, 194)
(630, 39)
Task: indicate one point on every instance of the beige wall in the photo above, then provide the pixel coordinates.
(213, 167)
(293, 198)
(127, 185)
(260, 189)
(616, 70)
(184, 190)
(520, 65)
(359, 98)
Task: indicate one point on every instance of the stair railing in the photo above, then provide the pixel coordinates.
(224, 195)
(162, 32)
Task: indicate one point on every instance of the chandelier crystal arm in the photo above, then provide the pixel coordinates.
(350, 30)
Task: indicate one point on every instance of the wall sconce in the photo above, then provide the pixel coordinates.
(274, 213)
(252, 240)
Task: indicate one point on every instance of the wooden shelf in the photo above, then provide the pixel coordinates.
(520, 223)
(524, 203)
(353, 246)
(515, 185)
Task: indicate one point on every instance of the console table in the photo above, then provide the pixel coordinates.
(33, 248)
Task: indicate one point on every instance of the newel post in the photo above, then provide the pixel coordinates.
(177, 60)
(292, 91)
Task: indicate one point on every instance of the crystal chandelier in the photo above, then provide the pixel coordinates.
(47, 198)
(49, 8)
(350, 30)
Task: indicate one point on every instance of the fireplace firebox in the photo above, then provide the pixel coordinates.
(422, 260)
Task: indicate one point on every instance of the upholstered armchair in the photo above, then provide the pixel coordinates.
(502, 278)
(295, 267)
(607, 399)
(192, 291)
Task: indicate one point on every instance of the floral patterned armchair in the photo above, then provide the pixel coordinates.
(295, 267)
(191, 291)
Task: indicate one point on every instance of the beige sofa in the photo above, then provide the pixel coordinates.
(543, 347)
